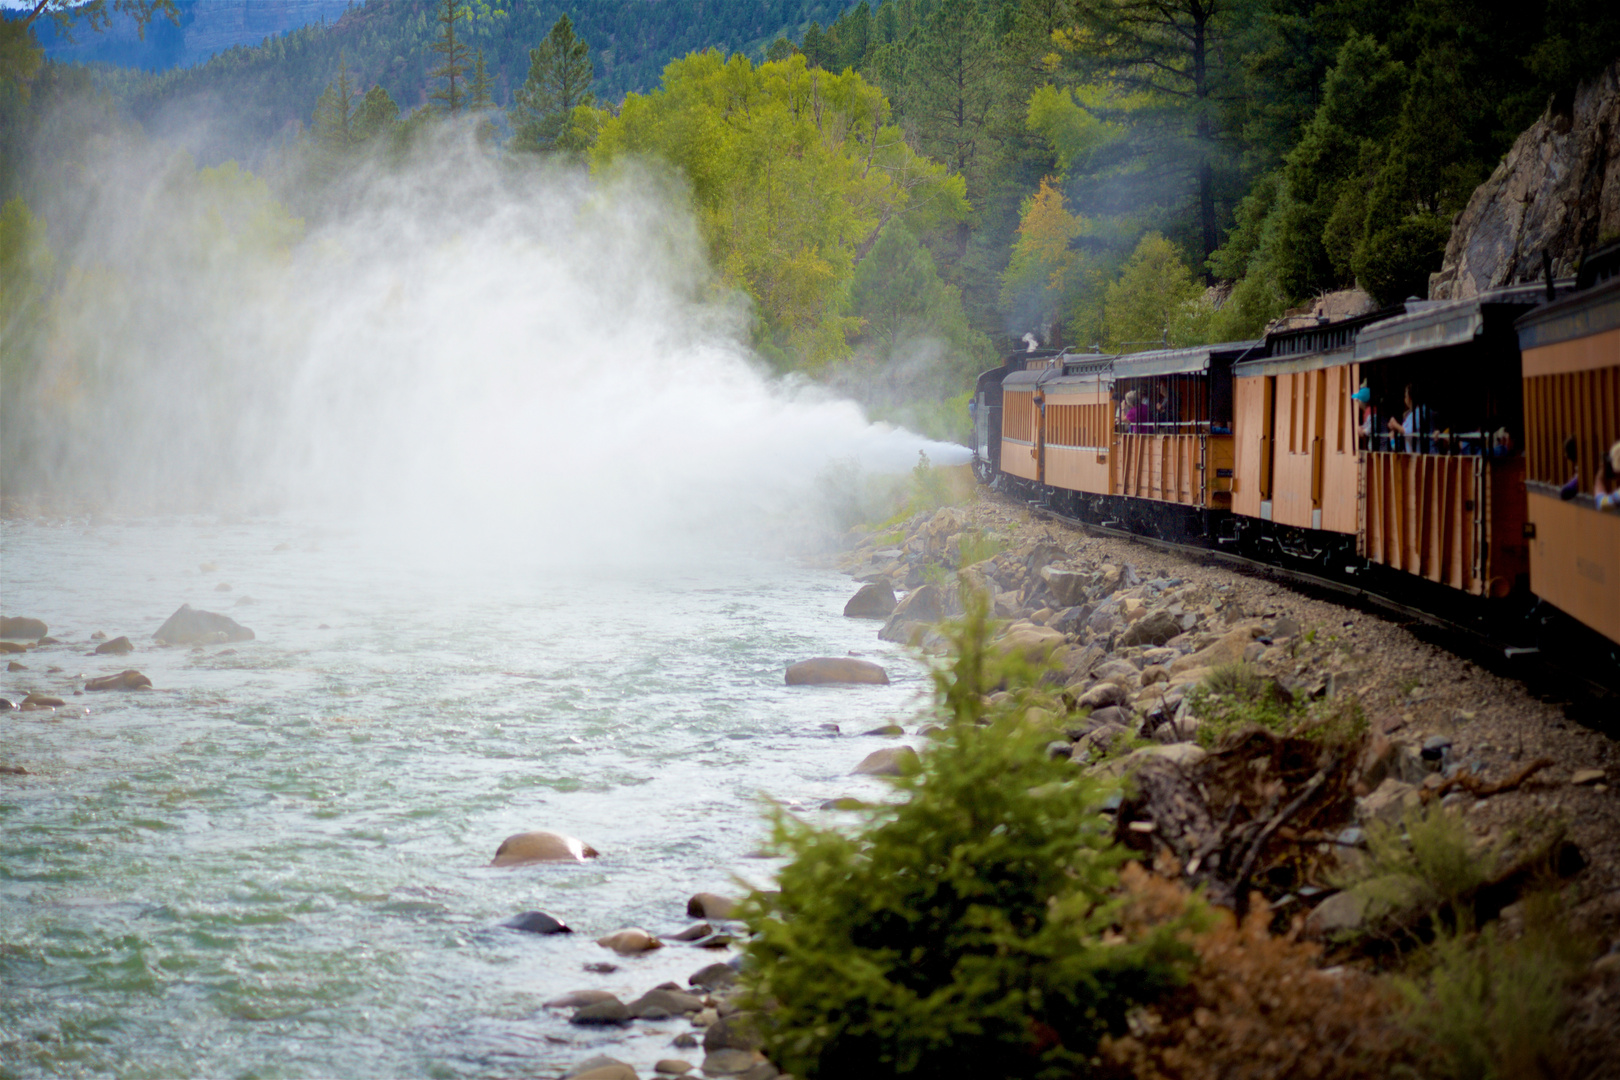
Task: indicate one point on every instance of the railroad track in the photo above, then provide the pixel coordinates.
(1540, 671)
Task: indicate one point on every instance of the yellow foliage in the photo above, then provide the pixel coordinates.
(792, 171)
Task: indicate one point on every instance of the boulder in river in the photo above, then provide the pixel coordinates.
(538, 922)
(630, 941)
(23, 629)
(708, 905)
(873, 601)
(46, 700)
(129, 679)
(890, 761)
(118, 646)
(835, 669)
(611, 1011)
(191, 627)
(520, 849)
(600, 1067)
(12, 647)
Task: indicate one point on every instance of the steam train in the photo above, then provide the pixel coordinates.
(1452, 453)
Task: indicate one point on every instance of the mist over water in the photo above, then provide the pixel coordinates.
(433, 411)
(468, 352)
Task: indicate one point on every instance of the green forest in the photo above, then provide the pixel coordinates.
(901, 191)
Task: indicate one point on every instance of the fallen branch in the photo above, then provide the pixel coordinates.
(1479, 788)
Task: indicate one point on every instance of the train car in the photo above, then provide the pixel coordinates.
(1077, 434)
(1443, 496)
(1571, 389)
(1023, 420)
(987, 405)
(1173, 440)
(1295, 469)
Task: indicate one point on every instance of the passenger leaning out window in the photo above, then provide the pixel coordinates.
(1414, 425)
(1607, 488)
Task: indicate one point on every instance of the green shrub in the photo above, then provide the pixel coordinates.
(975, 546)
(960, 931)
(1236, 695)
(1491, 1008)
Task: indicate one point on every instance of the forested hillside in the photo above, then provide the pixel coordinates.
(250, 95)
(901, 190)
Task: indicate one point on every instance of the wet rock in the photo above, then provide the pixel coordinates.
(1154, 628)
(828, 670)
(538, 922)
(22, 628)
(706, 905)
(190, 627)
(684, 1041)
(13, 770)
(601, 1067)
(618, 1071)
(14, 666)
(874, 601)
(576, 998)
(714, 977)
(739, 1031)
(670, 1002)
(532, 847)
(729, 1062)
(843, 803)
(672, 1067)
(890, 761)
(630, 941)
(924, 606)
(46, 700)
(889, 730)
(7, 703)
(12, 647)
(129, 679)
(693, 933)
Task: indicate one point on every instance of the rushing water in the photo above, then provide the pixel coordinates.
(275, 864)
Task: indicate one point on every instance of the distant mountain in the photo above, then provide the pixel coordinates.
(206, 27)
(245, 98)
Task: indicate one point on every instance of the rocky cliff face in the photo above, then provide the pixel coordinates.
(1557, 191)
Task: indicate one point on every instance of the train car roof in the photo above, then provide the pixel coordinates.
(1441, 324)
(1308, 348)
(1193, 360)
(1581, 314)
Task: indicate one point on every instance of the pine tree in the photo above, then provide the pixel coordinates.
(454, 64)
(478, 96)
(335, 135)
(560, 76)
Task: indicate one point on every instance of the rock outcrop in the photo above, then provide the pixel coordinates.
(1557, 191)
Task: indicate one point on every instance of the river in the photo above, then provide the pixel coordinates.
(275, 863)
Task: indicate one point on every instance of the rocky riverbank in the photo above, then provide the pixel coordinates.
(1267, 731)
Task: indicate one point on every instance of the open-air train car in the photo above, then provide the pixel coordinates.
(1446, 502)
(1173, 439)
(1571, 372)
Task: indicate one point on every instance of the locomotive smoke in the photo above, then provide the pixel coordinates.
(534, 360)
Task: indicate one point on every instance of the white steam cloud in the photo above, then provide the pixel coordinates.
(469, 350)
